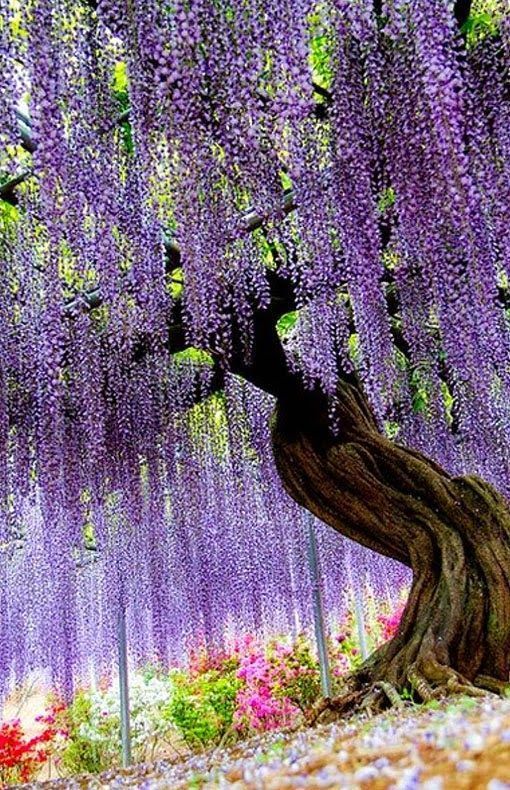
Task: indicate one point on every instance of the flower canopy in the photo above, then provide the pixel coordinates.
(163, 162)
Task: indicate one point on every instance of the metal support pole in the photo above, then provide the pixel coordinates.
(318, 616)
(125, 729)
(360, 622)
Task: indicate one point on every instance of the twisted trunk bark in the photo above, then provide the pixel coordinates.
(452, 531)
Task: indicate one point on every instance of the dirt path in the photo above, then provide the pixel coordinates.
(460, 745)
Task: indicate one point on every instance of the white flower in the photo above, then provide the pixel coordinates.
(148, 697)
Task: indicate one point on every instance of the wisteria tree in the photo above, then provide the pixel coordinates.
(317, 194)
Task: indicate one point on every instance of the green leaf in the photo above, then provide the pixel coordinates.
(120, 79)
(391, 429)
(176, 283)
(483, 21)
(354, 349)
(287, 322)
(8, 213)
(195, 355)
(286, 180)
(386, 199)
(321, 49)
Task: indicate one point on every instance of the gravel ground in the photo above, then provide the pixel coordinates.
(459, 744)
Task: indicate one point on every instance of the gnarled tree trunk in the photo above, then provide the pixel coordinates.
(454, 532)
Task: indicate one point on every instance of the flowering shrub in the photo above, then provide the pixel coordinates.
(21, 758)
(262, 703)
(390, 622)
(279, 683)
(202, 704)
(221, 696)
(83, 751)
(203, 660)
(92, 721)
(344, 650)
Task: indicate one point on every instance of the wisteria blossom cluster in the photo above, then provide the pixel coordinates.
(221, 551)
(179, 157)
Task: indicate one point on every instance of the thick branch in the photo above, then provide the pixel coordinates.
(462, 11)
(7, 190)
(452, 531)
(267, 367)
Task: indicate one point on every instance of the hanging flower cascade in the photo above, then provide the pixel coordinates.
(362, 157)
(217, 548)
(152, 122)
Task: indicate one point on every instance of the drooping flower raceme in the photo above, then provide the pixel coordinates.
(364, 159)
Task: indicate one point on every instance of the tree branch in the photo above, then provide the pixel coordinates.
(462, 11)
(7, 190)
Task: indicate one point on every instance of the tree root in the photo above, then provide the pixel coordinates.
(335, 706)
(369, 699)
(499, 687)
(375, 698)
(419, 684)
(428, 679)
(434, 680)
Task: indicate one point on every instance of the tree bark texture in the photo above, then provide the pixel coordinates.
(453, 532)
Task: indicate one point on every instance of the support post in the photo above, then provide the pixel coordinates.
(318, 615)
(360, 621)
(125, 727)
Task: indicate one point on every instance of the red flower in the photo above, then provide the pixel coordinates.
(21, 758)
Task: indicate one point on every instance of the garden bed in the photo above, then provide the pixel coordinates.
(461, 743)
(220, 698)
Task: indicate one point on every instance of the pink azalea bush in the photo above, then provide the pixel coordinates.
(390, 622)
(273, 684)
(277, 681)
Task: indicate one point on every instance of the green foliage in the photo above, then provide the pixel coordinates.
(419, 393)
(207, 420)
(92, 724)
(483, 20)
(120, 79)
(120, 87)
(386, 200)
(448, 401)
(81, 754)
(197, 781)
(287, 322)
(270, 251)
(16, 21)
(391, 429)
(193, 355)
(89, 537)
(272, 752)
(176, 283)
(302, 686)
(202, 707)
(8, 214)
(286, 180)
(347, 647)
(464, 704)
(408, 695)
(354, 350)
(432, 704)
(390, 258)
(321, 49)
